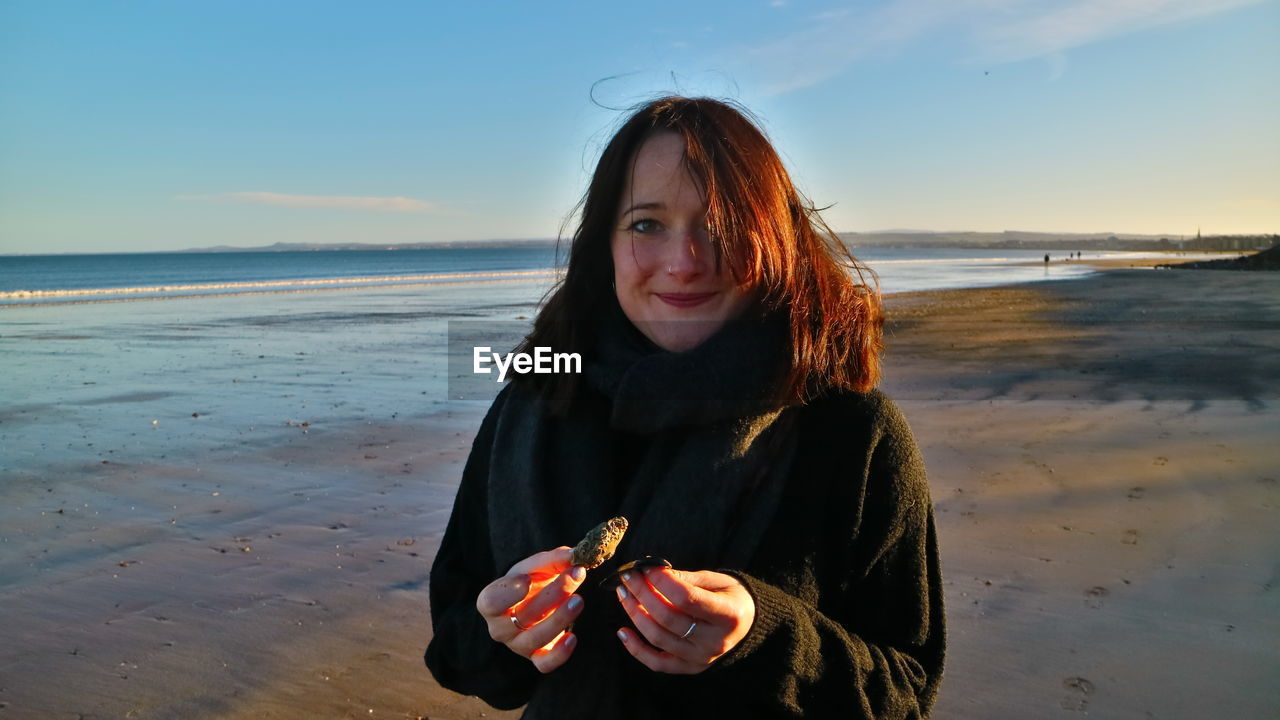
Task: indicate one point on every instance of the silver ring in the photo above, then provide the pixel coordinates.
(516, 622)
(687, 633)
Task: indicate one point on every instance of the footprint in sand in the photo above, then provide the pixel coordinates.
(1162, 460)
(1080, 689)
(1079, 684)
(1093, 596)
(1130, 537)
(1136, 492)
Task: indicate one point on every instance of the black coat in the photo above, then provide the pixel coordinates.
(821, 510)
(845, 578)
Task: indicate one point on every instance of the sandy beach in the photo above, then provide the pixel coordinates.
(1103, 464)
(1102, 456)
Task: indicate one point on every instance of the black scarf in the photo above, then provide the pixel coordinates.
(711, 437)
(693, 448)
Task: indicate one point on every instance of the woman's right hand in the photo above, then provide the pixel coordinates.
(532, 608)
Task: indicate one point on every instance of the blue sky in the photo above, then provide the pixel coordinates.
(129, 126)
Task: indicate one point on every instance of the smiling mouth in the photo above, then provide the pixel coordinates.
(685, 300)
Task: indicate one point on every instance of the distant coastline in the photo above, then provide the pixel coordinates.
(319, 247)
(1029, 240)
(1007, 239)
(530, 243)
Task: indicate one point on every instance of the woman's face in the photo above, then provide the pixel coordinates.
(664, 266)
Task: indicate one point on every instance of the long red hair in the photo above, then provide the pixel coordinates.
(770, 238)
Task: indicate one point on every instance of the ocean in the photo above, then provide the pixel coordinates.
(141, 276)
(190, 354)
(44, 279)
(253, 347)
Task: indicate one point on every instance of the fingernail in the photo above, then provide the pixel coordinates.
(624, 636)
(570, 641)
(575, 602)
(622, 593)
(626, 577)
(578, 573)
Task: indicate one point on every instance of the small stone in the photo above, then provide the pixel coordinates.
(600, 543)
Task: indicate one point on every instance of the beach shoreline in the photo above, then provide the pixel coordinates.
(1101, 459)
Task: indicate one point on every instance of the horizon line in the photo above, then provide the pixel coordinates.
(429, 244)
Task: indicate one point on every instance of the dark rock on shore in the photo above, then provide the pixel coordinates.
(1268, 259)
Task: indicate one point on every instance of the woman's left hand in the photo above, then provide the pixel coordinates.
(688, 618)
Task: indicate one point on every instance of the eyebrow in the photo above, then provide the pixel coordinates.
(644, 206)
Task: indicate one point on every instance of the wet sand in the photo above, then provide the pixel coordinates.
(1103, 463)
(1101, 454)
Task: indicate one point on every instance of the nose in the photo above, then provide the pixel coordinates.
(690, 255)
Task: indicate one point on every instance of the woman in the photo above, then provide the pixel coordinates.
(726, 407)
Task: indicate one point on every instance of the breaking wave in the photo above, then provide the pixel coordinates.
(165, 292)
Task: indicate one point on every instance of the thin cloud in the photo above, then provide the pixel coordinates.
(836, 39)
(1085, 21)
(339, 202)
(997, 31)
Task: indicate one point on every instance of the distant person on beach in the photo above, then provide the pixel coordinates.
(727, 408)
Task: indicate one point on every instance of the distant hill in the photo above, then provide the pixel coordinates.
(886, 238)
(1057, 241)
(321, 247)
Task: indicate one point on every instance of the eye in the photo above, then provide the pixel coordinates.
(645, 226)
